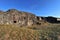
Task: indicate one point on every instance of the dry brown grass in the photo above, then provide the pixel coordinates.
(36, 32)
(9, 32)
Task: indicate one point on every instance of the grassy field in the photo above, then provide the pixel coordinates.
(10, 32)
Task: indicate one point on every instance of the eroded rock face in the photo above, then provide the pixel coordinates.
(15, 17)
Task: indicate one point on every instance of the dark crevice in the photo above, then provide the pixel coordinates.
(37, 18)
(14, 21)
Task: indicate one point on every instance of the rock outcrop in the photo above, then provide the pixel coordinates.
(15, 17)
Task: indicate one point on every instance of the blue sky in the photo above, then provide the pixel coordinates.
(38, 7)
